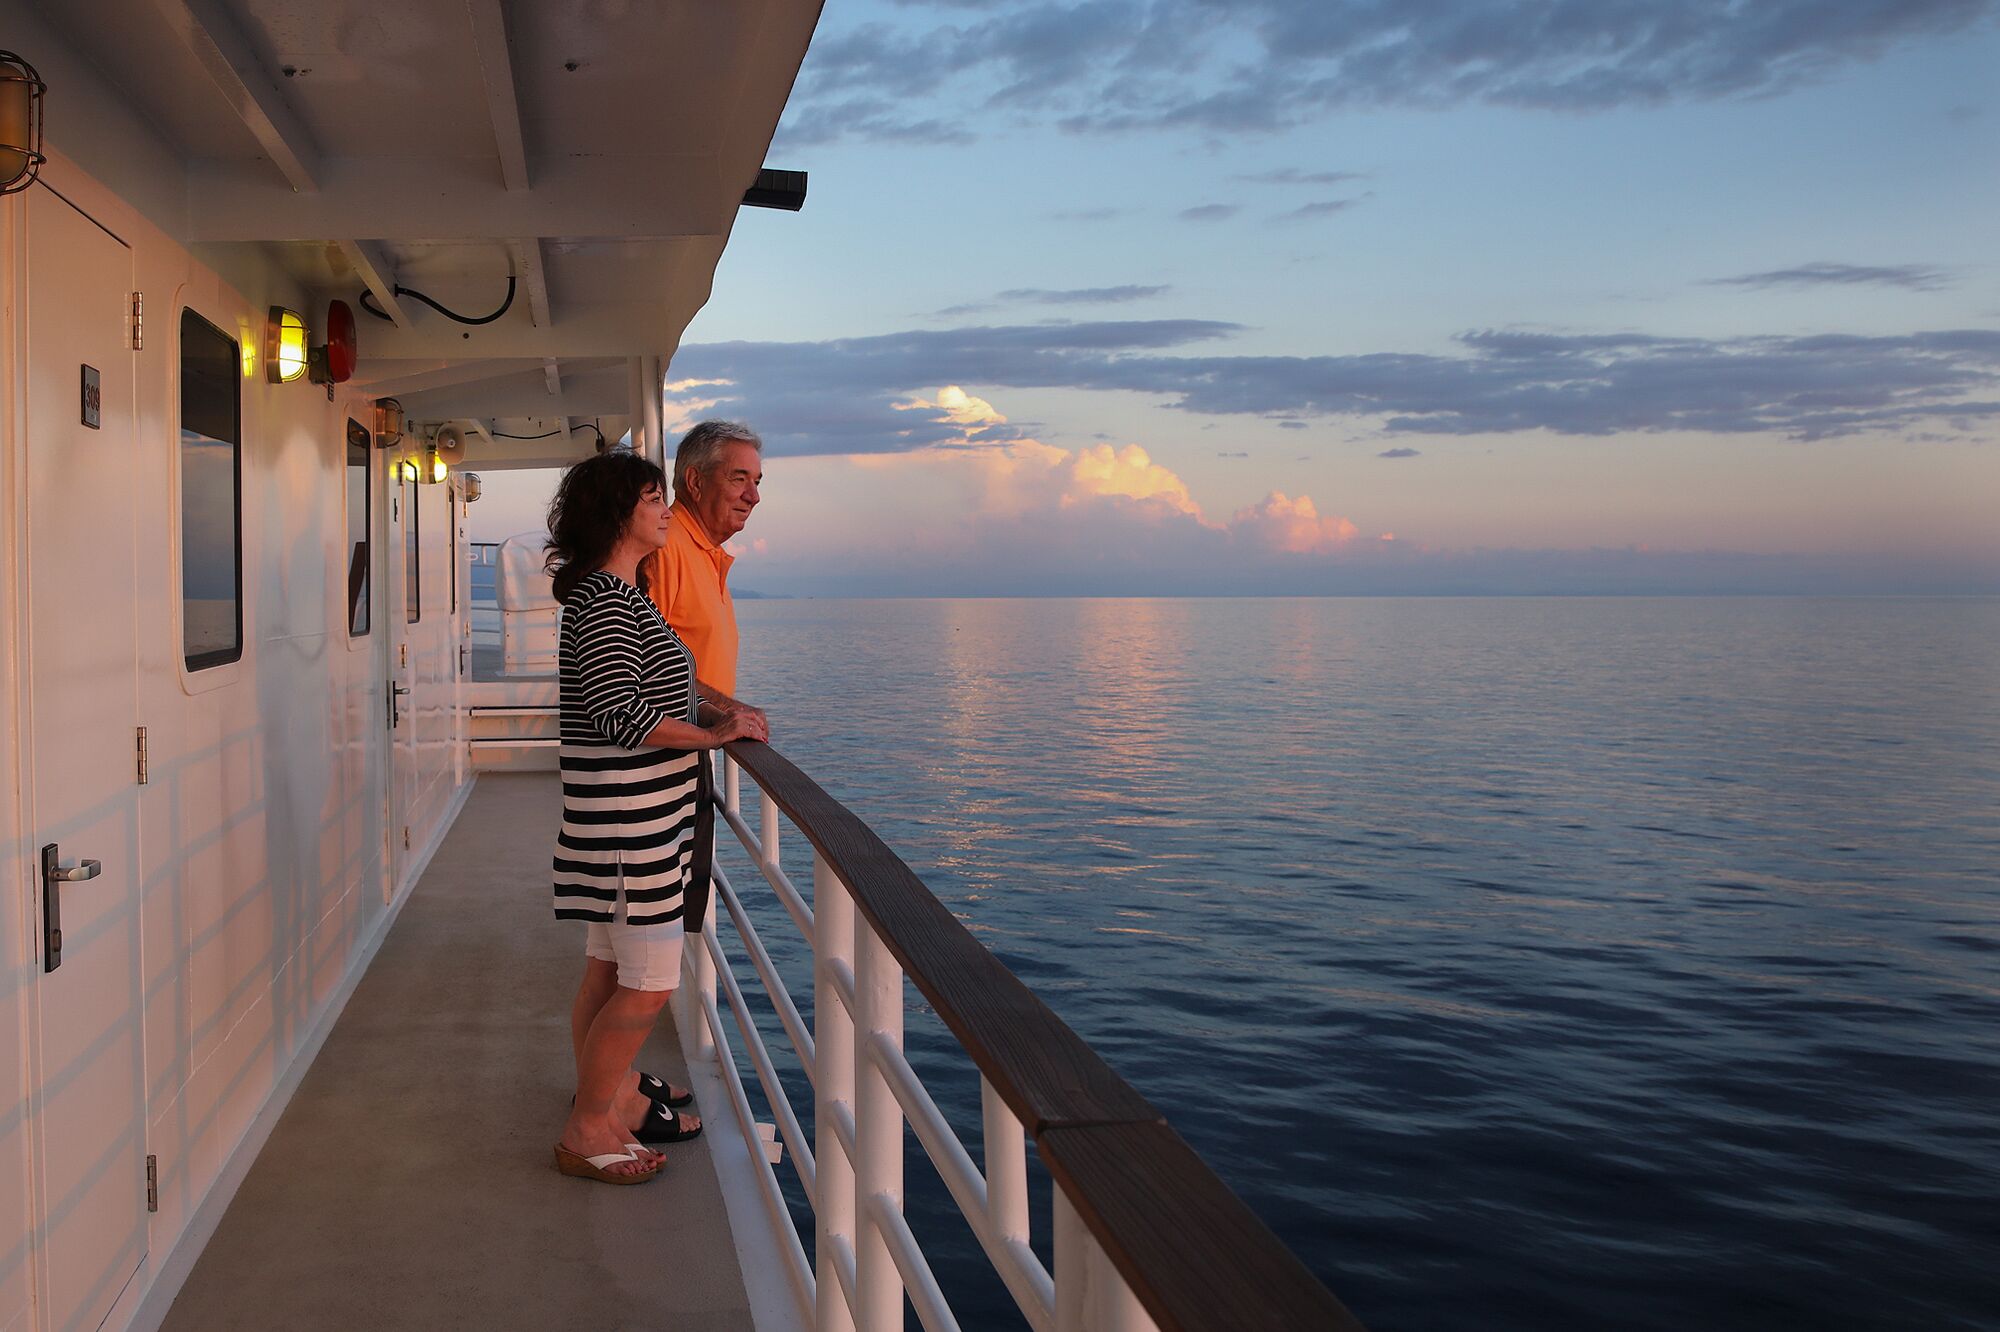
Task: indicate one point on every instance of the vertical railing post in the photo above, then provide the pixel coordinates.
(878, 1129)
(833, 1044)
(768, 833)
(732, 785)
(1072, 1265)
(1006, 1166)
(1090, 1292)
(698, 988)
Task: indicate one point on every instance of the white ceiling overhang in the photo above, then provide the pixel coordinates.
(593, 151)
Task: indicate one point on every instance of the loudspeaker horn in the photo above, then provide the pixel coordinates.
(450, 445)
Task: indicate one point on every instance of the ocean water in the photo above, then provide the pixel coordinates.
(1523, 963)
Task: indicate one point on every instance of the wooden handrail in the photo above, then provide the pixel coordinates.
(1195, 1255)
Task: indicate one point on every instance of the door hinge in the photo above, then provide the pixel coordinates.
(406, 839)
(404, 649)
(138, 320)
(152, 1183)
(143, 778)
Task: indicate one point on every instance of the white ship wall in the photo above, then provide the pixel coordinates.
(272, 832)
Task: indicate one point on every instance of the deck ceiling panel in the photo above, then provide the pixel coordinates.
(661, 70)
(142, 54)
(375, 80)
(594, 150)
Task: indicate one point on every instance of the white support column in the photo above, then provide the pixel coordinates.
(635, 400)
(655, 420)
(833, 1044)
(878, 1129)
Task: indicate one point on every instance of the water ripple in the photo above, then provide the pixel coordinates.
(1525, 964)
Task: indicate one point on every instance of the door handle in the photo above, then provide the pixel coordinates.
(54, 875)
(396, 694)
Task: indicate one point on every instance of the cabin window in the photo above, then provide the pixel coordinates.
(211, 495)
(360, 472)
(413, 570)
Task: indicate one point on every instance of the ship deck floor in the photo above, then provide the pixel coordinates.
(408, 1183)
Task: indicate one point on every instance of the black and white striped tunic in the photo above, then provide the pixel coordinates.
(625, 807)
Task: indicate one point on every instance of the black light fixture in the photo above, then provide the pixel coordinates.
(21, 94)
(777, 189)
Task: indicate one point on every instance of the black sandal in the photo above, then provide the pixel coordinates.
(663, 1125)
(656, 1089)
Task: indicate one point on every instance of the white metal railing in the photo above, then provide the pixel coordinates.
(1188, 1253)
(866, 1259)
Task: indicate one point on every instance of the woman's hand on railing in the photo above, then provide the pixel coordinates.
(745, 724)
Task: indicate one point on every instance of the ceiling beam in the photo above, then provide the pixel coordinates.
(649, 324)
(377, 273)
(534, 274)
(404, 377)
(445, 199)
(598, 393)
(496, 71)
(228, 59)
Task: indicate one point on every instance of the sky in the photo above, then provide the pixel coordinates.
(1139, 297)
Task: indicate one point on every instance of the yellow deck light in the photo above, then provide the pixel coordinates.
(388, 423)
(285, 351)
(21, 94)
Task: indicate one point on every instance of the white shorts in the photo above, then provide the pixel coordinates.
(648, 956)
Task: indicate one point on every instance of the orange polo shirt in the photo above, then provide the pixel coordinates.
(688, 579)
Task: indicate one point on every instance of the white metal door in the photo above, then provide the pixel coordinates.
(89, 1061)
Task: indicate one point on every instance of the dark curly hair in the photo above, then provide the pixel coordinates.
(593, 503)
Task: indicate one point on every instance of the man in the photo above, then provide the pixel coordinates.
(717, 470)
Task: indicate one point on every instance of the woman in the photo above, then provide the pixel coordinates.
(630, 747)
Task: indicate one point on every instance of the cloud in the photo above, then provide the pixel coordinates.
(1293, 526)
(1912, 277)
(954, 406)
(1259, 66)
(839, 396)
(1029, 519)
(1209, 212)
(1130, 473)
(1082, 295)
(1294, 176)
(1400, 453)
(1324, 208)
(1107, 505)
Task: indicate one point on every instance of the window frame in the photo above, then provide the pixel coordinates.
(413, 547)
(196, 663)
(355, 435)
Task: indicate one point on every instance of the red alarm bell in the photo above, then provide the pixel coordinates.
(333, 362)
(340, 348)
